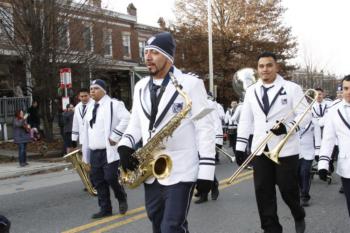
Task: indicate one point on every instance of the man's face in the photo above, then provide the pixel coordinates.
(233, 104)
(96, 93)
(320, 96)
(155, 61)
(267, 69)
(346, 91)
(84, 97)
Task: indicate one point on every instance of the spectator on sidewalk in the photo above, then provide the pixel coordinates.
(67, 127)
(5, 224)
(21, 135)
(34, 118)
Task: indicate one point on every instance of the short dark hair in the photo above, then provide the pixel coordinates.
(319, 89)
(84, 90)
(267, 54)
(346, 78)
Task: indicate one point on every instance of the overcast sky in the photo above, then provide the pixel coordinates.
(321, 27)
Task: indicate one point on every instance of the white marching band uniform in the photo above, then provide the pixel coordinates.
(188, 140)
(219, 135)
(115, 120)
(309, 142)
(235, 117)
(319, 111)
(337, 128)
(283, 97)
(78, 127)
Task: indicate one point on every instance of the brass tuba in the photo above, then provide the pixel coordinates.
(151, 157)
(82, 169)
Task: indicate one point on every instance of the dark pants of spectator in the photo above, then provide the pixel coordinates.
(22, 153)
(266, 175)
(304, 173)
(346, 186)
(103, 175)
(167, 206)
(232, 135)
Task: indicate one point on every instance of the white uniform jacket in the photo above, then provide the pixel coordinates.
(228, 116)
(319, 110)
(235, 117)
(78, 127)
(308, 142)
(220, 111)
(192, 145)
(337, 127)
(283, 97)
(219, 138)
(115, 119)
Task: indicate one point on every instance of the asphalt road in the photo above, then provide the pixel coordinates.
(56, 202)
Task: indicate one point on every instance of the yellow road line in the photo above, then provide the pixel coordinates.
(105, 220)
(119, 224)
(137, 210)
(244, 176)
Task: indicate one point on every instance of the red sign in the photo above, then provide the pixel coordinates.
(66, 77)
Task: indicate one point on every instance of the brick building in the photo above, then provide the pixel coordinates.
(116, 41)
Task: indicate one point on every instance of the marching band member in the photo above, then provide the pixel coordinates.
(231, 125)
(265, 102)
(319, 110)
(337, 128)
(104, 125)
(306, 157)
(191, 146)
(78, 121)
(203, 197)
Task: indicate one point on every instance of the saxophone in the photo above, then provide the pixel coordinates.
(151, 157)
(82, 169)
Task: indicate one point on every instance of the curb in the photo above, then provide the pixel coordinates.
(37, 171)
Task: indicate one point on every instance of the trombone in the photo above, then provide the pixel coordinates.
(273, 154)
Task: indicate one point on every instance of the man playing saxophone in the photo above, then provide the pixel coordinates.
(191, 146)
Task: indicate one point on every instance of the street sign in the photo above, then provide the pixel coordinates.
(66, 78)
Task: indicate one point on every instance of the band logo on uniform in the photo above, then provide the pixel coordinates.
(284, 101)
(177, 107)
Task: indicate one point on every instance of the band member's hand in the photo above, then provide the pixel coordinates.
(280, 129)
(317, 158)
(111, 142)
(126, 160)
(74, 144)
(204, 186)
(240, 157)
(323, 174)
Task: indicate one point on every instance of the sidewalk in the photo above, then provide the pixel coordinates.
(12, 170)
(37, 164)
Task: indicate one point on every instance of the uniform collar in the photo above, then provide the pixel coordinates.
(102, 100)
(277, 82)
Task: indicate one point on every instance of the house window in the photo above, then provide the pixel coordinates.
(142, 51)
(126, 46)
(64, 35)
(88, 39)
(107, 40)
(6, 22)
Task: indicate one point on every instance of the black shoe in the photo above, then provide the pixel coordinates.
(300, 226)
(22, 164)
(202, 198)
(123, 207)
(102, 214)
(197, 194)
(215, 191)
(304, 202)
(341, 190)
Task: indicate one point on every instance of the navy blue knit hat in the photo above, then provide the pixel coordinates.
(99, 83)
(164, 43)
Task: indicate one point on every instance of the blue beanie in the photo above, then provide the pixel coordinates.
(99, 83)
(164, 43)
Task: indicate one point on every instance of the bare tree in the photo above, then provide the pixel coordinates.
(47, 35)
(241, 30)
